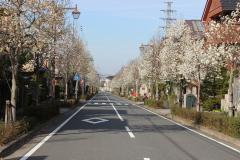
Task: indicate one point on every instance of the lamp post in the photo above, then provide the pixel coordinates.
(76, 14)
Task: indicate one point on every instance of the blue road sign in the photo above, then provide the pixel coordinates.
(76, 77)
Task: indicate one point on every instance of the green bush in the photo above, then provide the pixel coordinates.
(234, 127)
(189, 114)
(43, 112)
(149, 102)
(154, 103)
(216, 121)
(210, 104)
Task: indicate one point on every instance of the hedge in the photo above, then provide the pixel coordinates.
(216, 121)
(31, 117)
(154, 103)
(10, 132)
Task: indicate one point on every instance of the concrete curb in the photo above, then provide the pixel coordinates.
(25, 138)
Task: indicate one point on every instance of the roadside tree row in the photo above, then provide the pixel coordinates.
(38, 49)
(180, 56)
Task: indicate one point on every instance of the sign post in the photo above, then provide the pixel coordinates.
(77, 79)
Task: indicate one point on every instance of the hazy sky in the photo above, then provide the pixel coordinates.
(114, 29)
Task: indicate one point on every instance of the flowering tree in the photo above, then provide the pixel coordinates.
(19, 34)
(225, 36)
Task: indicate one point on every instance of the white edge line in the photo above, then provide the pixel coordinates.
(119, 116)
(203, 135)
(129, 132)
(35, 148)
(107, 98)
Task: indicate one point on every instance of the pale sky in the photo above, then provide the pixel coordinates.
(114, 29)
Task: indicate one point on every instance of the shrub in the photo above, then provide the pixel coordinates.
(43, 112)
(189, 114)
(234, 127)
(12, 131)
(154, 103)
(149, 102)
(216, 121)
(211, 104)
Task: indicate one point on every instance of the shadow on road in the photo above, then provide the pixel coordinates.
(31, 158)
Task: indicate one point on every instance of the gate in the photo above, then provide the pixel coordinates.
(191, 101)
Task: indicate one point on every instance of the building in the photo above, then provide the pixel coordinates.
(197, 28)
(214, 9)
(106, 83)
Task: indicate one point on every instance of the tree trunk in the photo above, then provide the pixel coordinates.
(14, 91)
(230, 94)
(198, 96)
(136, 88)
(37, 88)
(66, 88)
(157, 95)
(198, 90)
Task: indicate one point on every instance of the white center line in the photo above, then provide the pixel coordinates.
(146, 159)
(129, 132)
(119, 116)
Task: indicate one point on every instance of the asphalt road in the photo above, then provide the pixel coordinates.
(108, 128)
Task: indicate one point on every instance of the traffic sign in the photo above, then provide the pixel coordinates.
(76, 77)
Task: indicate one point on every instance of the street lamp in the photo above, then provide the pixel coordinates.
(76, 13)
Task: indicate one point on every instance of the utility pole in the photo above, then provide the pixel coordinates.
(168, 19)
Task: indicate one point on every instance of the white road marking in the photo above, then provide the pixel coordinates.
(129, 132)
(126, 104)
(146, 159)
(95, 103)
(203, 135)
(119, 116)
(95, 120)
(119, 104)
(34, 149)
(104, 103)
(107, 98)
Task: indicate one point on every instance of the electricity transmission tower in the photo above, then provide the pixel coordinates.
(168, 19)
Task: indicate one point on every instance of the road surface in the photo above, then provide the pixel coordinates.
(109, 128)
